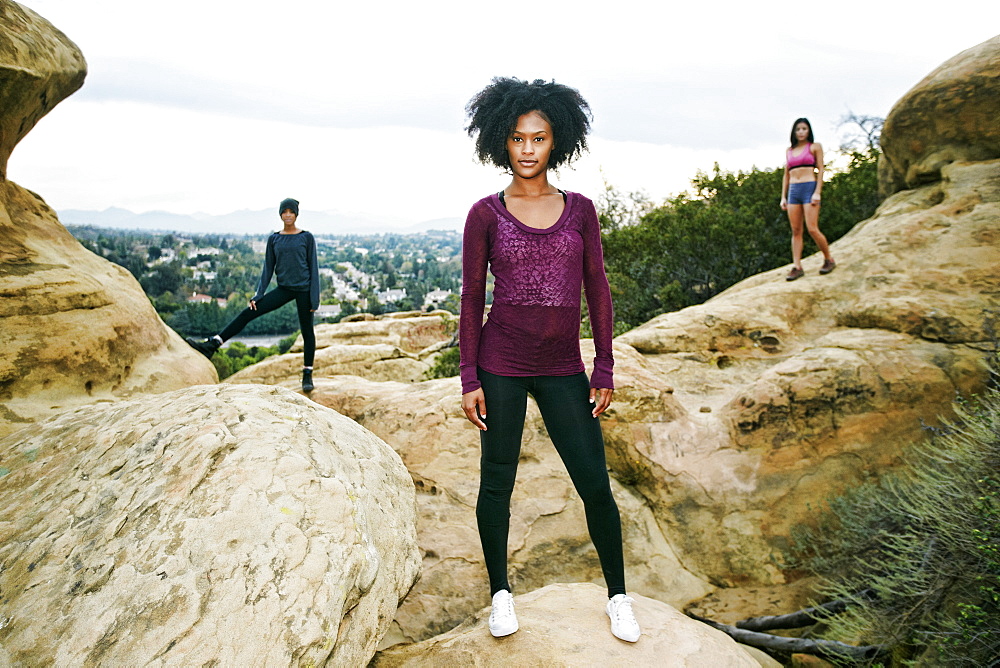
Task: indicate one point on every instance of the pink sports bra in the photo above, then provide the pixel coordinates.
(803, 159)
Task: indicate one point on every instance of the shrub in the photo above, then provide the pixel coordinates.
(445, 364)
(237, 355)
(918, 552)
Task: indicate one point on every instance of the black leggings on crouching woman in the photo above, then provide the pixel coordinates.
(273, 300)
(566, 410)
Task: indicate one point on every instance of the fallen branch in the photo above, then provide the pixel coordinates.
(824, 649)
(796, 620)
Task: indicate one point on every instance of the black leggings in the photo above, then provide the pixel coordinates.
(566, 411)
(276, 299)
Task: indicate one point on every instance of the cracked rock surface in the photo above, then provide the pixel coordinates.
(228, 525)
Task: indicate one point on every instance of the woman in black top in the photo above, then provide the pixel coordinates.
(291, 257)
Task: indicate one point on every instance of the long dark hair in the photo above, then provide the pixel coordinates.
(808, 125)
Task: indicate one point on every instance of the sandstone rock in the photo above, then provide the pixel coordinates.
(74, 328)
(359, 317)
(401, 315)
(549, 541)
(950, 116)
(226, 525)
(411, 332)
(373, 361)
(39, 67)
(816, 384)
(565, 625)
(729, 605)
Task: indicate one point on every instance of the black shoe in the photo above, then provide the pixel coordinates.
(307, 380)
(206, 347)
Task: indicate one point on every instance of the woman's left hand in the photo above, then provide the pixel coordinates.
(601, 398)
(815, 200)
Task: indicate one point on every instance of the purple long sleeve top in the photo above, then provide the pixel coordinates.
(533, 328)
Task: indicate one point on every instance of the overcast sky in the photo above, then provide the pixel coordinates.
(217, 106)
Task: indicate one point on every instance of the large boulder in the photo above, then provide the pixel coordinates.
(39, 68)
(565, 625)
(74, 328)
(219, 525)
(549, 542)
(950, 116)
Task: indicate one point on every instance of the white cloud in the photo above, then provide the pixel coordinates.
(221, 105)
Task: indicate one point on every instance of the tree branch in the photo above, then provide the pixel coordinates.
(796, 620)
(825, 649)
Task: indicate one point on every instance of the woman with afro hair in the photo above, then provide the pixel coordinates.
(542, 245)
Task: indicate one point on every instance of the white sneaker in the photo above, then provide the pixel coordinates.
(503, 621)
(623, 623)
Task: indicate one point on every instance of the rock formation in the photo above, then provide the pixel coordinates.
(374, 361)
(950, 116)
(74, 328)
(413, 332)
(424, 423)
(398, 346)
(565, 625)
(39, 66)
(227, 525)
(247, 525)
(793, 391)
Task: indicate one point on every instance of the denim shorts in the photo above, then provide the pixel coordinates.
(801, 193)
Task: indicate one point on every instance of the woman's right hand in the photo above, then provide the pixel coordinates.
(784, 204)
(252, 304)
(471, 401)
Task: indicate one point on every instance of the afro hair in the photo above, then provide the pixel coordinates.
(494, 111)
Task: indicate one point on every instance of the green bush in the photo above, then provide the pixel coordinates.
(445, 364)
(918, 552)
(237, 355)
(286, 343)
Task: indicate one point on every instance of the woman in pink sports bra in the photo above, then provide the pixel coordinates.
(800, 195)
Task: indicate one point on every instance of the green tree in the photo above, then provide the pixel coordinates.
(617, 209)
(167, 277)
(452, 303)
(445, 364)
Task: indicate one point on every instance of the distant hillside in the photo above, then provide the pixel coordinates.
(248, 222)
